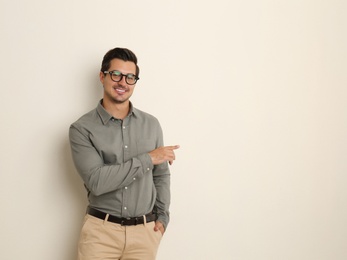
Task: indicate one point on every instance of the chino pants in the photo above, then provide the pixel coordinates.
(101, 239)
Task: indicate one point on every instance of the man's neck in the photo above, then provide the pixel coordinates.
(117, 110)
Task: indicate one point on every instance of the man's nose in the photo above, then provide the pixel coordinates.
(123, 81)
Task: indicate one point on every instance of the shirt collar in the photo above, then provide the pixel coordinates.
(105, 116)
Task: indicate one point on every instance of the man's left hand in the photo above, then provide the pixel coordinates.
(159, 227)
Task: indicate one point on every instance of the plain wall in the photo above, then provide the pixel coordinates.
(253, 91)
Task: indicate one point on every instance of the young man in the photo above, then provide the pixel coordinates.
(118, 152)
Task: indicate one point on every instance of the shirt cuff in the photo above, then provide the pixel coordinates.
(164, 219)
(146, 162)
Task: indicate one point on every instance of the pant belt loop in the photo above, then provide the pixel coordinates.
(144, 220)
(106, 218)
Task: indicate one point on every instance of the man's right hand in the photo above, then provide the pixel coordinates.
(163, 154)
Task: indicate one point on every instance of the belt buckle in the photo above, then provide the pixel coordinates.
(123, 221)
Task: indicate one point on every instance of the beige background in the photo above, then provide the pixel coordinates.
(253, 91)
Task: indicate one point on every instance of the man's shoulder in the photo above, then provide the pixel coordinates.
(87, 118)
(144, 115)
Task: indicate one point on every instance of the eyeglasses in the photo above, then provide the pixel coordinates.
(117, 76)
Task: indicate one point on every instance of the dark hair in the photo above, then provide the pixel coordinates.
(119, 53)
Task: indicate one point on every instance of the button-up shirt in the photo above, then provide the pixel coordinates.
(111, 156)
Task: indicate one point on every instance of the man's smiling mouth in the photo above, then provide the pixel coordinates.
(120, 90)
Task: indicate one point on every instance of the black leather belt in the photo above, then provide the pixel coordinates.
(123, 221)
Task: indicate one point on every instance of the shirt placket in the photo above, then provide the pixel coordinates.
(126, 156)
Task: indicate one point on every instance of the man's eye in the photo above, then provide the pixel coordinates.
(131, 76)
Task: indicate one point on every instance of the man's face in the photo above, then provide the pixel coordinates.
(118, 92)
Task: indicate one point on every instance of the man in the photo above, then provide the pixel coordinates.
(118, 152)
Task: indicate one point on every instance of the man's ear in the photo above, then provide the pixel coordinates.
(101, 77)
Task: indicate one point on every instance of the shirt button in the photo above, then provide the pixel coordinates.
(125, 208)
(147, 169)
(125, 146)
(123, 127)
(134, 178)
(126, 188)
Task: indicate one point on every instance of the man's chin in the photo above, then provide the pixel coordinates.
(120, 101)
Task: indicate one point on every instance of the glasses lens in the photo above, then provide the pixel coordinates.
(116, 75)
(130, 79)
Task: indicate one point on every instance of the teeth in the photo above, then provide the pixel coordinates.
(120, 90)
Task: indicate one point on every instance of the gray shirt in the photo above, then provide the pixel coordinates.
(111, 156)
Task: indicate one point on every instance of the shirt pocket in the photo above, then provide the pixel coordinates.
(145, 146)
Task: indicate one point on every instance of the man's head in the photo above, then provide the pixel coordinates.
(122, 54)
(119, 74)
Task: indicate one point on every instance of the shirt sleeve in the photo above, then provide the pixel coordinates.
(161, 178)
(98, 177)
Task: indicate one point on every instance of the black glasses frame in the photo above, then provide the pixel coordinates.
(121, 76)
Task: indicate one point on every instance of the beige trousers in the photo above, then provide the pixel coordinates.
(101, 239)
